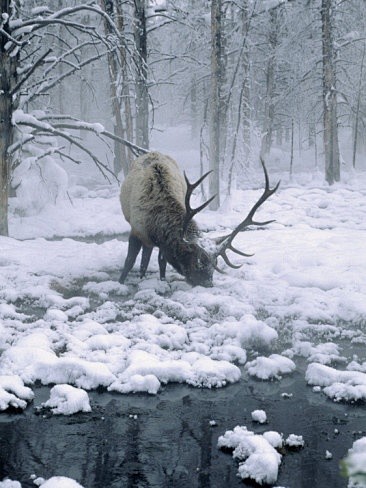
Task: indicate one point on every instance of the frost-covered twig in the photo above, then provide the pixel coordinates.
(97, 128)
(30, 71)
(46, 86)
(46, 128)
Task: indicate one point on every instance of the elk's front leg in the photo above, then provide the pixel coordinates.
(145, 259)
(134, 246)
(162, 264)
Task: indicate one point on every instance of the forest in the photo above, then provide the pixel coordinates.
(90, 84)
(243, 366)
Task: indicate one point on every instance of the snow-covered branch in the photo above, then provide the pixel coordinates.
(30, 71)
(55, 125)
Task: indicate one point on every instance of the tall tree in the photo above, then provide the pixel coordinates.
(142, 94)
(217, 76)
(270, 74)
(8, 80)
(331, 145)
(118, 85)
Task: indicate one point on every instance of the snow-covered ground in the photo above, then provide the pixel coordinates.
(304, 287)
(65, 319)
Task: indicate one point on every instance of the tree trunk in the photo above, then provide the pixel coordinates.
(358, 106)
(120, 156)
(7, 80)
(194, 108)
(142, 95)
(331, 146)
(215, 97)
(246, 115)
(269, 108)
(125, 91)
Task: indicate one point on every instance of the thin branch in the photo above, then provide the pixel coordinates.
(30, 72)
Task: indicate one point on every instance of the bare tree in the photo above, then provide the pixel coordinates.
(331, 145)
(8, 81)
(358, 107)
(142, 94)
(29, 70)
(118, 75)
(215, 100)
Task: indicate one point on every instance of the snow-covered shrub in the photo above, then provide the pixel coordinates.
(38, 181)
(37, 178)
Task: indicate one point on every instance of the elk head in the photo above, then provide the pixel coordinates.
(202, 252)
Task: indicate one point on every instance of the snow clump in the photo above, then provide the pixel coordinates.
(13, 393)
(355, 464)
(57, 482)
(259, 416)
(270, 368)
(10, 484)
(257, 455)
(294, 440)
(67, 400)
(339, 385)
(54, 482)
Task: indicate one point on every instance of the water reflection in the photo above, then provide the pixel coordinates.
(167, 441)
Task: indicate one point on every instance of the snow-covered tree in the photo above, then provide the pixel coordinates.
(35, 59)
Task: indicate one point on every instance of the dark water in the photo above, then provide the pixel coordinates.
(139, 441)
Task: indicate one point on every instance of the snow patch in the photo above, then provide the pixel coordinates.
(67, 400)
(259, 416)
(355, 464)
(257, 455)
(57, 482)
(270, 368)
(13, 393)
(339, 385)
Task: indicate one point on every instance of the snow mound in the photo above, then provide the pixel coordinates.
(54, 482)
(294, 440)
(13, 393)
(259, 416)
(270, 368)
(355, 464)
(145, 372)
(10, 484)
(67, 400)
(57, 482)
(339, 385)
(257, 455)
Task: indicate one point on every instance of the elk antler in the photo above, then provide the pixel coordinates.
(225, 242)
(191, 212)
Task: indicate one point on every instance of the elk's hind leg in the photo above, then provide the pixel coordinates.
(145, 259)
(134, 246)
(162, 265)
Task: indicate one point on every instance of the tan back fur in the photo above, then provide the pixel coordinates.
(154, 180)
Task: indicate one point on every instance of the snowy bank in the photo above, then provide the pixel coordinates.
(65, 319)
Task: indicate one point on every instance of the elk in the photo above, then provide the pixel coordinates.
(155, 199)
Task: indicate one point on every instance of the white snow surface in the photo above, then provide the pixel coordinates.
(65, 319)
